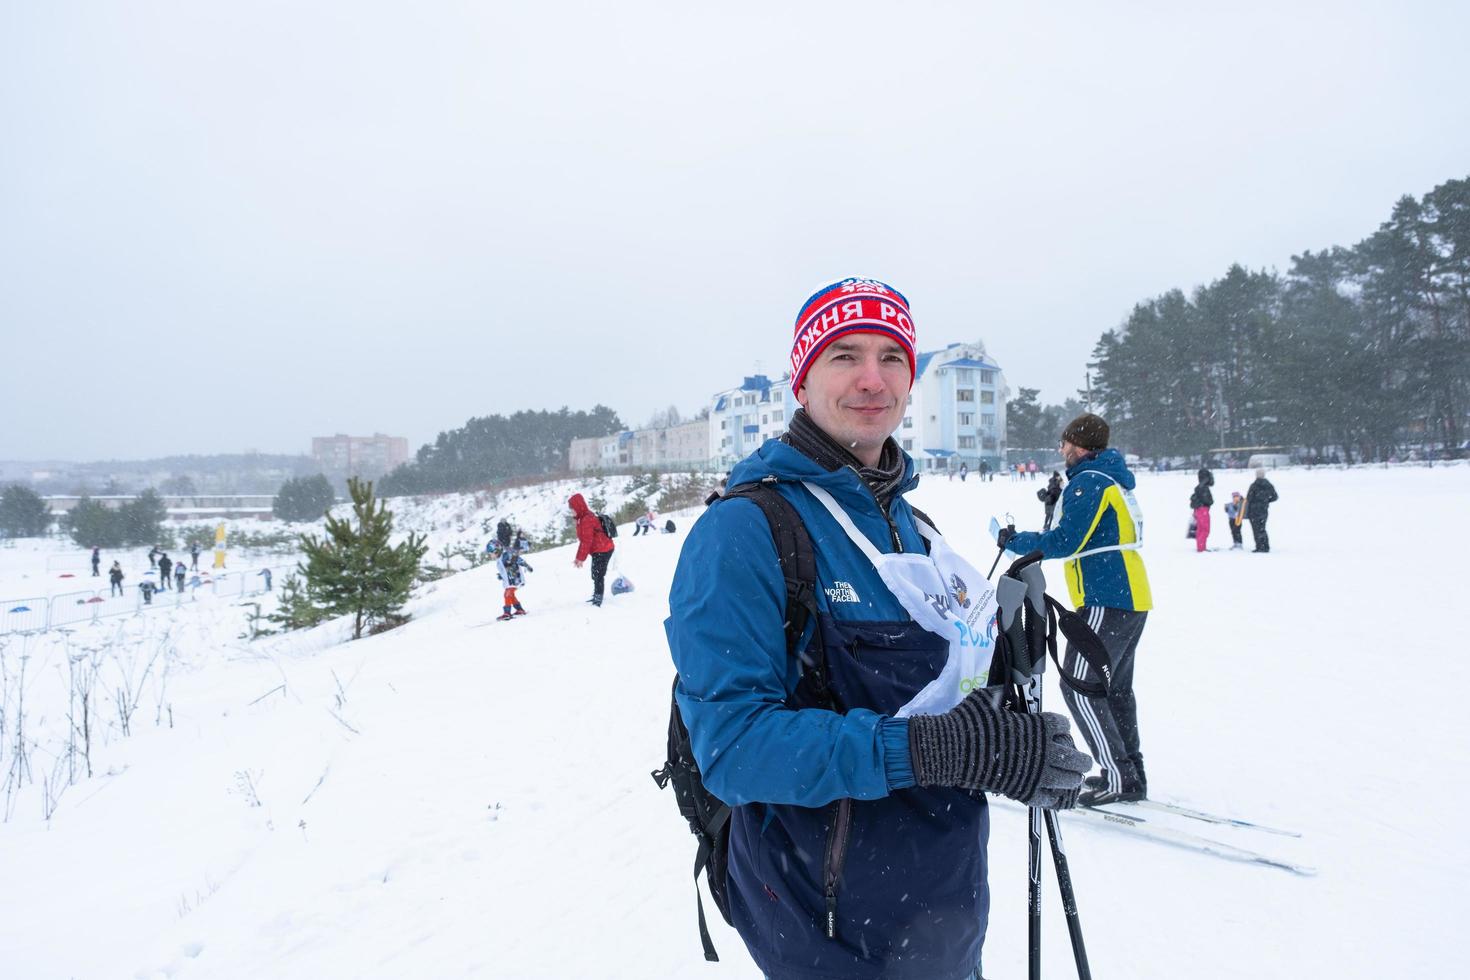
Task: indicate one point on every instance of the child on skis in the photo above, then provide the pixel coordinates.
(1234, 513)
(509, 569)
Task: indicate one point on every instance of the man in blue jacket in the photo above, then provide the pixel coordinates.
(1100, 534)
(857, 838)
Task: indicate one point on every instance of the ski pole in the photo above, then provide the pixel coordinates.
(1058, 854)
(995, 529)
(1069, 898)
(995, 563)
(1026, 647)
(1033, 892)
(1010, 594)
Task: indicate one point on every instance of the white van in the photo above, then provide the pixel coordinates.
(1268, 461)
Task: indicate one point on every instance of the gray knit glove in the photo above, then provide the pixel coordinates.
(976, 745)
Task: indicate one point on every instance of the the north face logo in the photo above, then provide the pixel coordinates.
(842, 592)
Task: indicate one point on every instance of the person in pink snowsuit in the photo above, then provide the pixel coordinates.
(1201, 500)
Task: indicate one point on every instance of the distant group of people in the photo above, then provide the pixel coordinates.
(1018, 471)
(170, 574)
(1254, 507)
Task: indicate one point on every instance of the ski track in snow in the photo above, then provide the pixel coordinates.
(466, 798)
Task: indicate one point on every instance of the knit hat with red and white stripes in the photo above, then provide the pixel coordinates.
(849, 306)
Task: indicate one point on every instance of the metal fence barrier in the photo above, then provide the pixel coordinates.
(36, 615)
(23, 615)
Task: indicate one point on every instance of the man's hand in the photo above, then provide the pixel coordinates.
(1004, 535)
(577, 562)
(976, 745)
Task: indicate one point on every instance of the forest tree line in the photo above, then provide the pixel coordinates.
(1363, 350)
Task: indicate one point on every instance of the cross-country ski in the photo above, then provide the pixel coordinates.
(1164, 806)
(1139, 827)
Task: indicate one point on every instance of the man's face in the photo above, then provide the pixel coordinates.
(856, 392)
(1072, 454)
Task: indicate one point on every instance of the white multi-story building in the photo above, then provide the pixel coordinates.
(683, 445)
(956, 412)
(742, 418)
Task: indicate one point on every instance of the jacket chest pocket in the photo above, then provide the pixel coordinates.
(879, 665)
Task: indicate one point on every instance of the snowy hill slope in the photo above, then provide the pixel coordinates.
(54, 566)
(460, 797)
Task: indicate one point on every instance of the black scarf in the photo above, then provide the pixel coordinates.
(807, 438)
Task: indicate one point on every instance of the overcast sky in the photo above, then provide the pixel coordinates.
(230, 226)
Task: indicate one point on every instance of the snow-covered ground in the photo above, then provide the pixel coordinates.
(59, 570)
(460, 797)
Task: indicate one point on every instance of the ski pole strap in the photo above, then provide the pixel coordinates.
(1088, 646)
(1030, 558)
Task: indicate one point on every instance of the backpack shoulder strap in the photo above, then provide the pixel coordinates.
(793, 549)
(926, 519)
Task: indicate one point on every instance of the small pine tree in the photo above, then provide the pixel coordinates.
(295, 609)
(354, 571)
(23, 514)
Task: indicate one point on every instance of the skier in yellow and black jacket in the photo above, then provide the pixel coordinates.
(1100, 535)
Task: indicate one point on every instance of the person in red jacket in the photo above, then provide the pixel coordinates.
(591, 539)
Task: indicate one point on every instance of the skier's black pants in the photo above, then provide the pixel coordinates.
(1050, 510)
(1234, 531)
(116, 589)
(1110, 725)
(1258, 532)
(599, 572)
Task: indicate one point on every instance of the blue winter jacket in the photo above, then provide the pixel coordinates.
(908, 883)
(1095, 520)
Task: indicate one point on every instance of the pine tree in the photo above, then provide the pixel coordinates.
(143, 518)
(295, 609)
(304, 498)
(353, 570)
(1023, 421)
(23, 514)
(93, 525)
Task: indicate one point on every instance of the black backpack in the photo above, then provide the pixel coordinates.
(708, 816)
(608, 527)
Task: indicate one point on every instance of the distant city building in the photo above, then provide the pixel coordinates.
(956, 412)
(189, 507)
(365, 456)
(685, 444)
